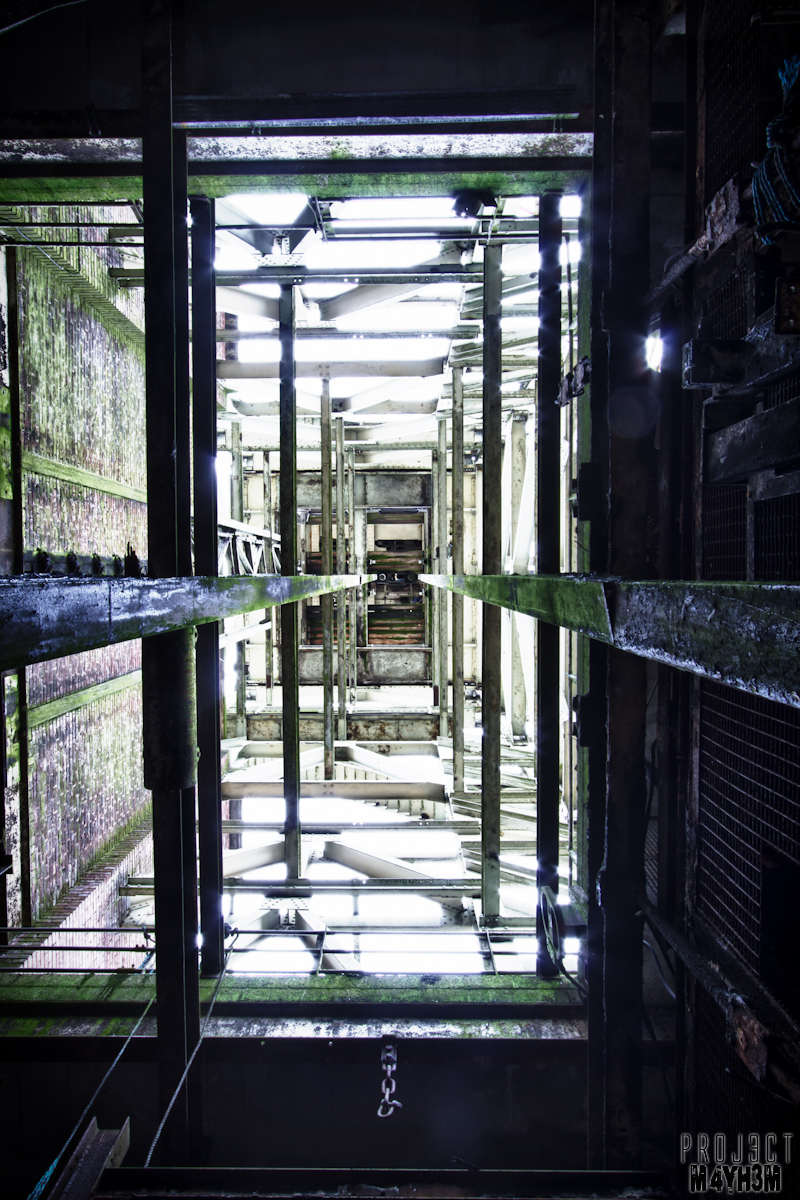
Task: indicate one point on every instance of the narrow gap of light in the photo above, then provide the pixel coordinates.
(654, 350)
(570, 206)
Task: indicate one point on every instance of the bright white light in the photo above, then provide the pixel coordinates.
(355, 256)
(235, 256)
(257, 351)
(654, 350)
(570, 206)
(358, 350)
(521, 206)
(399, 317)
(223, 463)
(570, 252)
(392, 208)
(278, 208)
(572, 945)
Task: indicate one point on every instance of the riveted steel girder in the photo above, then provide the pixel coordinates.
(744, 634)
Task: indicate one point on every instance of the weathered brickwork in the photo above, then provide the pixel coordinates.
(61, 676)
(95, 903)
(85, 789)
(60, 517)
(82, 388)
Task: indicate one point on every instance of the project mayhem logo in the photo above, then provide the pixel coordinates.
(754, 1163)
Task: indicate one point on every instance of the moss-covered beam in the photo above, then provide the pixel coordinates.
(332, 182)
(43, 617)
(744, 634)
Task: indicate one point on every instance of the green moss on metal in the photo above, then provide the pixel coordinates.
(133, 988)
(569, 601)
(74, 190)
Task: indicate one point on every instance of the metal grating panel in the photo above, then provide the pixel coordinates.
(748, 795)
(734, 133)
(777, 538)
(725, 310)
(781, 392)
(725, 531)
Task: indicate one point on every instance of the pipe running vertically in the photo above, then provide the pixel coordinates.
(290, 677)
(444, 658)
(548, 551)
(458, 569)
(168, 669)
(491, 565)
(204, 451)
(341, 599)
(326, 538)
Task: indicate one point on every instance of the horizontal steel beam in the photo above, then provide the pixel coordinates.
(746, 635)
(234, 369)
(305, 888)
(299, 275)
(332, 827)
(43, 617)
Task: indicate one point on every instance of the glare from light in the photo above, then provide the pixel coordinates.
(237, 256)
(278, 208)
(396, 208)
(223, 463)
(570, 252)
(398, 317)
(367, 255)
(572, 945)
(654, 351)
(570, 206)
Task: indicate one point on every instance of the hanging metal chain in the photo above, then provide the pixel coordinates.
(388, 1085)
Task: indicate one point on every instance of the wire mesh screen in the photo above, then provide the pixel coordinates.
(781, 392)
(727, 1099)
(777, 538)
(725, 531)
(748, 799)
(734, 134)
(725, 310)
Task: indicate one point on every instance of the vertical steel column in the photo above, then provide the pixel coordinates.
(444, 658)
(518, 448)
(436, 567)
(168, 679)
(492, 565)
(458, 569)
(341, 599)
(548, 557)
(269, 567)
(289, 631)
(351, 564)
(621, 184)
(326, 539)
(204, 445)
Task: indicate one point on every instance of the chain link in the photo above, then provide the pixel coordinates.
(389, 1084)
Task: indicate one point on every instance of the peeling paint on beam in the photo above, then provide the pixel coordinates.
(43, 618)
(746, 635)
